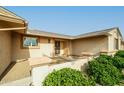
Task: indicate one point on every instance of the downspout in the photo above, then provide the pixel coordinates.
(26, 26)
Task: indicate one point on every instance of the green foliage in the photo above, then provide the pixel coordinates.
(67, 77)
(118, 59)
(120, 53)
(92, 80)
(104, 59)
(103, 71)
(118, 62)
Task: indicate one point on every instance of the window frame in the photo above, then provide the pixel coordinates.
(29, 47)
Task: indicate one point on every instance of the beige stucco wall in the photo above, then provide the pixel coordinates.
(122, 46)
(64, 47)
(91, 45)
(114, 34)
(45, 48)
(69, 47)
(5, 50)
(20, 53)
(17, 52)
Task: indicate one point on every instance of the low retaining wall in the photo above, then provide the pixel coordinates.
(39, 73)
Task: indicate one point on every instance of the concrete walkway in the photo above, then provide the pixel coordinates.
(15, 71)
(21, 82)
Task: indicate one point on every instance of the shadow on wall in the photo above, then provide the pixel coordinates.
(10, 51)
(18, 52)
(5, 50)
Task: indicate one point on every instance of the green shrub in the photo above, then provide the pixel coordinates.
(118, 62)
(104, 59)
(120, 53)
(104, 74)
(67, 77)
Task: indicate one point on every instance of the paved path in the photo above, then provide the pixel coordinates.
(21, 82)
(15, 71)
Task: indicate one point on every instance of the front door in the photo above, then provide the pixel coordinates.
(57, 47)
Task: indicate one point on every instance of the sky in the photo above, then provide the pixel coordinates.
(71, 20)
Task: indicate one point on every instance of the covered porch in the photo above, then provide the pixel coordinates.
(9, 23)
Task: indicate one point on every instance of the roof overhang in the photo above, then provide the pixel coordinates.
(48, 34)
(11, 19)
(11, 22)
(120, 33)
(92, 35)
(55, 35)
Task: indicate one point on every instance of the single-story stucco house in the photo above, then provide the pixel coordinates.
(17, 43)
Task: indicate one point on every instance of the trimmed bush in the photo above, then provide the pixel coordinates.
(104, 72)
(67, 77)
(104, 59)
(120, 53)
(118, 62)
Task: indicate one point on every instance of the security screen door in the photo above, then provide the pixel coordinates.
(57, 47)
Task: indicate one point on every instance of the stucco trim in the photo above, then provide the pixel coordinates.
(11, 19)
(15, 28)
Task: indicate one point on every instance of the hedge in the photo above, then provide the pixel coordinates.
(103, 71)
(67, 77)
(118, 62)
(105, 59)
(120, 53)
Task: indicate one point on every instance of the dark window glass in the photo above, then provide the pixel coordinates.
(49, 40)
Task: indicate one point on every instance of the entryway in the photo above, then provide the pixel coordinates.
(57, 48)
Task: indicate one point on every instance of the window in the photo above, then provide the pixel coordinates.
(30, 41)
(116, 43)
